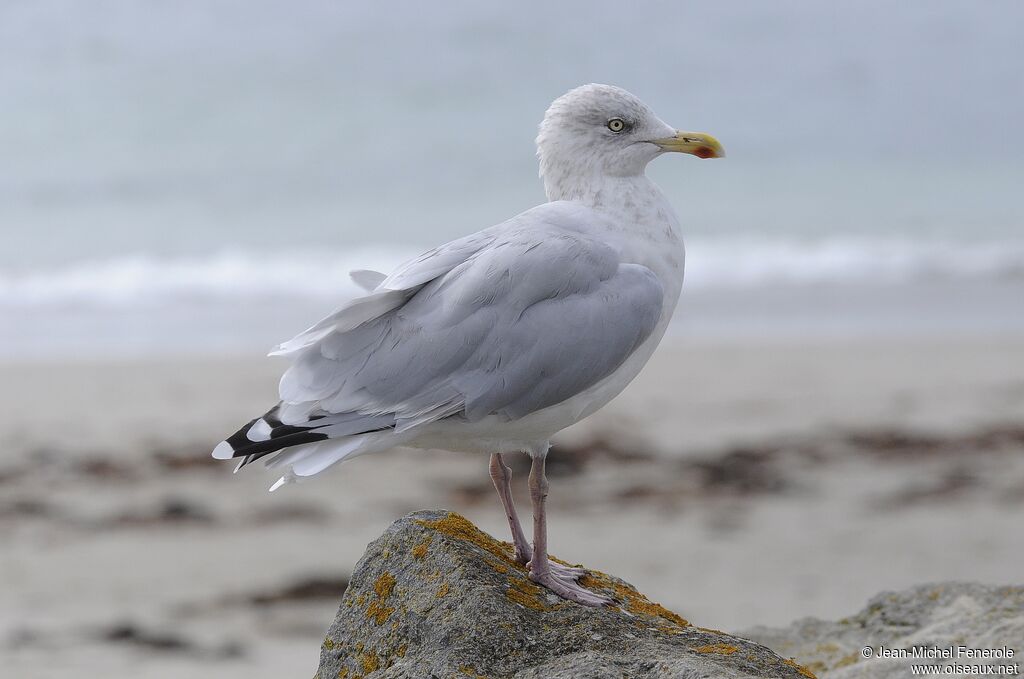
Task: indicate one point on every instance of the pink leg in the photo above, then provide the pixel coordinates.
(561, 581)
(501, 476)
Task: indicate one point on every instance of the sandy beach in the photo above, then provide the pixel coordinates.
(739, 484)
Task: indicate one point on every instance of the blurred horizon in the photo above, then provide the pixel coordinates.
(169, 166)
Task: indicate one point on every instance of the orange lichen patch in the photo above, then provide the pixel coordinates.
(551, 557)
(370, 662)
(500, 567)
(401, 650)
(384, 585)
(378, 611)
(524, 599)
(342, 673)
(641, 604)
(458, 527)
(720, 649)
(420, 550)
(442, 590)
(799, 668)
(634, 601)
(470, 672)
(711, 630)
(524, 592)
(329, 643)
(361, 599)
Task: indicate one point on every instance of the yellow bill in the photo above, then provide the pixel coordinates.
(695, 143)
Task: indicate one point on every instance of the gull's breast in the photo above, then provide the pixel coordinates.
(644, 232)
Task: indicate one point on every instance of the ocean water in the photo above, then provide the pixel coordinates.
(200, 176)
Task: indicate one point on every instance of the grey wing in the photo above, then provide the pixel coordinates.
(529, 319)
(386, 293)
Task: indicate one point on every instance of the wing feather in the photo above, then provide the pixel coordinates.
(508, 321)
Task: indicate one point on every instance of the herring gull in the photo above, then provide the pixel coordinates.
(494, 342)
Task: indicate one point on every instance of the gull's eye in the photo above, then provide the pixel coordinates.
(616, 124)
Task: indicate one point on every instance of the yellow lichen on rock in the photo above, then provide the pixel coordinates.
(384, 585)
(370, 662)
(499, 567)
(378, 611)
(634, 601)
(799, 668)
(524, 592)
(712, 630)
(720, 649)
(420, 550)
(329, 643)
(459, 527)
(638, 603)
(442, 590)
(552, 557)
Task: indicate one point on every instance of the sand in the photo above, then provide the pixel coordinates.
(739, 484)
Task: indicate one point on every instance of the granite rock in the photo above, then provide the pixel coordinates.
(436, 597)
(939, 616)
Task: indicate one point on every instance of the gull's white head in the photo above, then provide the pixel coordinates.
(599, 131)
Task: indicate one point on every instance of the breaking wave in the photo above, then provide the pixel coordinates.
(727, 263)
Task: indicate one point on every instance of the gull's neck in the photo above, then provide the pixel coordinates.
(635, 203)
(588, 184)
(639, 221)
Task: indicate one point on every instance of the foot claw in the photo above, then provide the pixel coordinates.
(562, 581)
(574, 572)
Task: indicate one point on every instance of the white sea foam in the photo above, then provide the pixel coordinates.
(727, 263)
(750, 263)
(138, 279)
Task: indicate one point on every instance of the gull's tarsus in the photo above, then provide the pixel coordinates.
(501, 476)
(559, 579)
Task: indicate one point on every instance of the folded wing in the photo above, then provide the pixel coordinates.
(503, 323)
(530, 319)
